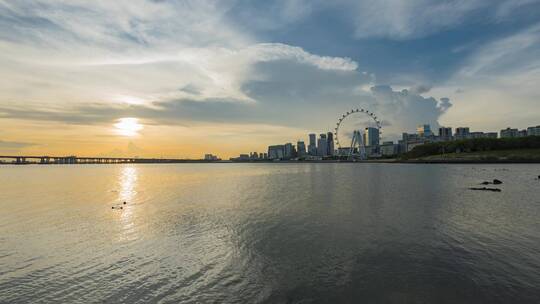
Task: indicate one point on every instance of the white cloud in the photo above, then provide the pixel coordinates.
(516, 52)
(278, 51)
(507, 7)
(405, 109)
(499, 81)
(80, 51)
(398, 19)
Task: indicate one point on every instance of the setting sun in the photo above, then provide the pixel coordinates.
(128, 126)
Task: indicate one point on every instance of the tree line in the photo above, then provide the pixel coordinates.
(474, 145)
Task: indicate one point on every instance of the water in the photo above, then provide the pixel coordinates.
(270, 233)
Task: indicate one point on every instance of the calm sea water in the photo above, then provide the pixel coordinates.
(269, 233)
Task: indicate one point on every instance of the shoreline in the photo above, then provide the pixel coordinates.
(386, 161)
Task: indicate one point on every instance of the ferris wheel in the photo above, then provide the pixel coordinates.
(357, 146)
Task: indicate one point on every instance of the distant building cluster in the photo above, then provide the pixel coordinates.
(530, 131)
(324, 147)
(252, 156)
(211, 157)
(424, 135)
(318, 148)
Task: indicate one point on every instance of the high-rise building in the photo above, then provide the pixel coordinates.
(301, 148)
(462, 133)
(445, 133)
(330, 143)
(371, 137)
(289, 151)
(424, 130)
(276, 152)
(533, 131)
(322, 146)
(508, 133)
(312, 147)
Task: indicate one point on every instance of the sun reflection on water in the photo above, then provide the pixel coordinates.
(127, 180)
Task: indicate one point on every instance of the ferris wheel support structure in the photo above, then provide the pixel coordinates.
(357, 140)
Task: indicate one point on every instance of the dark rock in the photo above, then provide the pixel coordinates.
(487, 189)
(125, 203)
(112, 207)
(497, 182)
(485, 183)
(121, 207)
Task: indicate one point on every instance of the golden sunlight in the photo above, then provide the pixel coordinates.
(128, 126)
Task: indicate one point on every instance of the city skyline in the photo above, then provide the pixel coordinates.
(186, 78)
(368, 143)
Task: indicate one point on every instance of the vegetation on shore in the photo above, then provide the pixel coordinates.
(479, 149)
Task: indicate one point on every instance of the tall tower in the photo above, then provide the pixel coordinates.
(445, 133)
(312, 147)
(301, 147)
(322, 146)
(371, 137)
(330, 143)
(424, 130)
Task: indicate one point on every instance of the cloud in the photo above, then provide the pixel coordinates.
(406, 109)
(412, 19)
(86, 52)
(264, 52)
(389, 19)
(500, 80)
(420, 89)
(189, 63)
(272, 15)
(508, 7)
(515, 52)
(14, 145)
(132, 150)
(393, 19)
(284, 95)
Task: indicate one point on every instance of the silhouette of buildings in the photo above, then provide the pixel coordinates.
(324, 146)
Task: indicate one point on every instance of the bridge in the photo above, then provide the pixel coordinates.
(72, 160)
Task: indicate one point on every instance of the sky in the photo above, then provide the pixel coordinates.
(160, 78)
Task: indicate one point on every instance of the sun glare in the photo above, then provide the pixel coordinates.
(128, 126)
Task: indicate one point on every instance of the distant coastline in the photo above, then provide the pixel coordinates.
(372, 161)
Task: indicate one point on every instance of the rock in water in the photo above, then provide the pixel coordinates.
(487, 189)
(497, 182)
